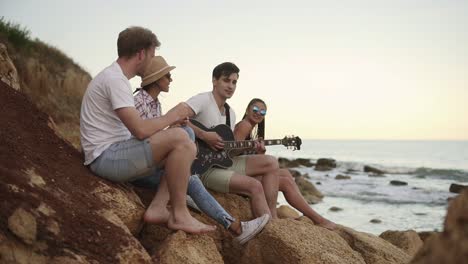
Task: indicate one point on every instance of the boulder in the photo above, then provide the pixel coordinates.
(308, 190)
(335, 209)
(183, 248)
(124, 203)
(324, 164)
(23, 225)
(398, 183)
(451, 245)
(285, 211)
(342, 177)
(286, 163)
(373, 170)
(409, 240)
(424, 235)
(295, 173)
(372, 248)
(457, 188)
(292, 241)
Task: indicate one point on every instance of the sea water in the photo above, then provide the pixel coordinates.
(429, 167)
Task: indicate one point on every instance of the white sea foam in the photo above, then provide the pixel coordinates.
(420, 205)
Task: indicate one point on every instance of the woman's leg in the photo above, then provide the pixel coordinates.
(207, 203)
(244, 231)
(293, 196)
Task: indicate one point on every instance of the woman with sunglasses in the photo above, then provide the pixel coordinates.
(252, 127)
(156, 79)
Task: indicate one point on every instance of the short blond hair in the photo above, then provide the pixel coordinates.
(134, 39)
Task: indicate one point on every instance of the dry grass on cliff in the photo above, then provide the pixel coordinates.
(50, 79)
(18, 39)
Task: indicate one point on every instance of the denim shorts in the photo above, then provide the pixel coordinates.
(125, 161)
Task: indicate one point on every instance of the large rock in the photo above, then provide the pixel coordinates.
(183, 248)
(124, 203)
(292, 241)
(409, 240)
(286, 163)
(308, 190)
(23, 225)
(285, 211)
(457, 188)
(424, 235)
(373, 170)
(342, 177)
(324, 164)
(372, 248)
(450, 246)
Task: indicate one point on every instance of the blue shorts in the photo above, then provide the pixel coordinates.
(125, 161)
(130, 160)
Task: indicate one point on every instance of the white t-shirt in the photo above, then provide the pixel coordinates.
(207, 111)
(99, 124)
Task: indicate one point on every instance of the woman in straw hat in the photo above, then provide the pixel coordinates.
(252, 126)
(156, 79)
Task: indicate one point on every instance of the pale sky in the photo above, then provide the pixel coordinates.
(367, 69)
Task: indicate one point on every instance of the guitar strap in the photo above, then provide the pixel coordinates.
(228, 116)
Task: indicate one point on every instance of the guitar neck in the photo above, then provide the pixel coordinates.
(250, 143)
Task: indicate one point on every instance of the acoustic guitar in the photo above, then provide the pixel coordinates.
(207, 157)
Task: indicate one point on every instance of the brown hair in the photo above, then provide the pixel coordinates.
(133, 39)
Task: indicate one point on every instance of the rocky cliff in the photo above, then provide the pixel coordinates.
(49, 78)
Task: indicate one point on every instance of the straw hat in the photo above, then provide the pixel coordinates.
(155, 70)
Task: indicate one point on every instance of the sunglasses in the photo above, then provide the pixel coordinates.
(257, 110)
(168, 76)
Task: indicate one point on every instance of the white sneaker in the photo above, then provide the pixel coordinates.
(251, 228)
(191, 203)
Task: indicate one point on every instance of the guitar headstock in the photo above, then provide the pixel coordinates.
(292, 141)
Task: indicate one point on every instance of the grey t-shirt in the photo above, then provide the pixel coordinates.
(99, 124)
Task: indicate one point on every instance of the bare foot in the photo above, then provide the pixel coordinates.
(189, 225)
(156, 215)
(327, 224)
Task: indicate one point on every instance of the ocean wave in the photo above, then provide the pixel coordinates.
(421, 172)
(380, 198)
(445, 174)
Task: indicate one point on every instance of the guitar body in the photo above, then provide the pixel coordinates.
(207, 157)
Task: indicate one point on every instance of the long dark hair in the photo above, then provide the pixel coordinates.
(260, 131)
(146, 87)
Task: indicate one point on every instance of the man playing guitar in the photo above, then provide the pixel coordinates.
(251, 175)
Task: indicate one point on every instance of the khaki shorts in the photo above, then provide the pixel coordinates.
(218, 179)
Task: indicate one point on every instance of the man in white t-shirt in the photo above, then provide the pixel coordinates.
(120, 146)
(209, 109)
